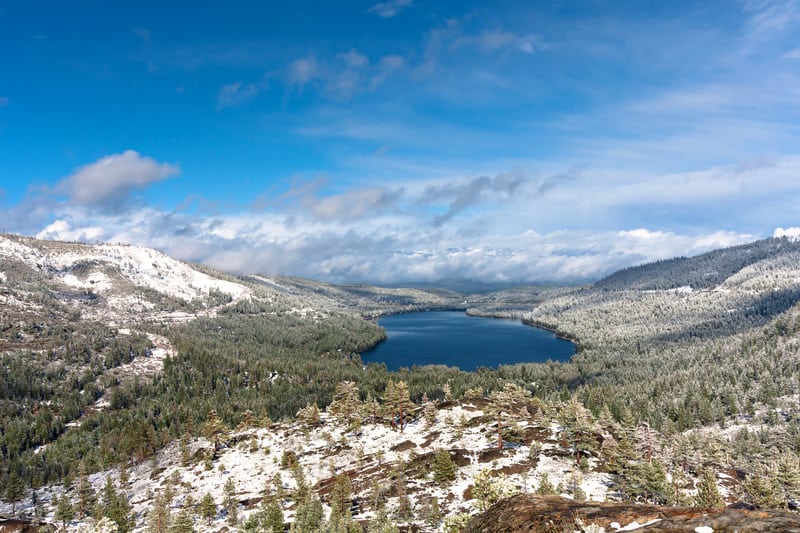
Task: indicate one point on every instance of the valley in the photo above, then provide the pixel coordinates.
(151, 383)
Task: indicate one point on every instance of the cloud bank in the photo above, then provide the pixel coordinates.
(486, 227)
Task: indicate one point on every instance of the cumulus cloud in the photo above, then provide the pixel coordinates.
(109, 181)
(390, 8)
(61, 230)
(792, 233)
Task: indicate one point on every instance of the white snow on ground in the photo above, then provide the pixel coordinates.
(330, 449)
(139, 265)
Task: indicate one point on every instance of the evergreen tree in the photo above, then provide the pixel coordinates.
(432, 512)
(15, 490)
(654, 481)
(707, 492)
(183, 522)
(763, 490)
(444, 469)
(214, 425)
(340, 498)
(86, 494)
(489, 488)
(403, 511)
(346, 403)
(545, 486)
(301, 490)
(397, 401)
(117, 507)
(309, 516)
(503, 403)
(579, 426)
(159, 516)
(273, 516)
(382, 524)
(309, 415)
(429, 411)
(230, 503)
(208, 507)
(184, 446)
(65, 512)
(787, 475)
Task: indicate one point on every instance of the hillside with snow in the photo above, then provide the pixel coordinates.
(153, 383)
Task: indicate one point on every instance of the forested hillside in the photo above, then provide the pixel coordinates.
(130, 372)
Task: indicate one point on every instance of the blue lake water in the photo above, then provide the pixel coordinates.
(454, 339)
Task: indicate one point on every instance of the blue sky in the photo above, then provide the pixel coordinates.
(405, 140)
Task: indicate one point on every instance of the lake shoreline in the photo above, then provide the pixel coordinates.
(455, 337)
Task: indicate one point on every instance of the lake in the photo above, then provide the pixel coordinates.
(454, 339)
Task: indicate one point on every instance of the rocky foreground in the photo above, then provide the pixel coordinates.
(553, 514)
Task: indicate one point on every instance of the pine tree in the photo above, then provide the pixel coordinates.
(117, 507)
(301, 490)
(429, 411)
(444, 469)
(184, 446)
(787, 474)
(214, 425)
(579, 426)
(15, 490)
(346, 403)
(159, 516)
(382, 524)
(86, 494)
(208, 508)
(273, 519)
(763, 490)
(707, 492)
(230, 502)
(545, 486)
(654, 481)
(183, 522)
(340, 498)
(309, 415)
(403, 511)
(503, 403)
(448, 394)
(309, 515)
(432, 512)
(65, 512)
(397, 401)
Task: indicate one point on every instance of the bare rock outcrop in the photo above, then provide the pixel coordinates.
(553, 514)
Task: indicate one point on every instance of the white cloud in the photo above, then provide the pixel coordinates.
(353, 59)
(235, 94)
(61, 230)
(792, 233)
(772, 16)
(303, 71)
(110, 180)
(390, 8)
(493, 40)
